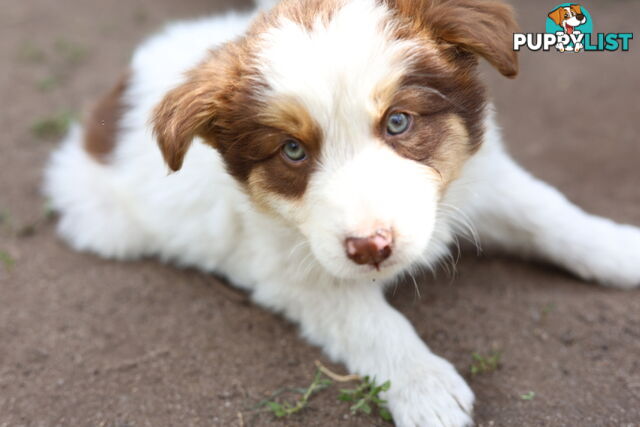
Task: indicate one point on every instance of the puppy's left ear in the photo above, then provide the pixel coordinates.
(484, 28)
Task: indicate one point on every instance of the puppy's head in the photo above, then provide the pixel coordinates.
(347, 118)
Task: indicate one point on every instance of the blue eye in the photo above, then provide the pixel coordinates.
(294, 151)
(398, 123)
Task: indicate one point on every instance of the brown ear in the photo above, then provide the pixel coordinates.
(557, 15)
(193, 108)
(576, 8)
(484, 28)
(180, 117)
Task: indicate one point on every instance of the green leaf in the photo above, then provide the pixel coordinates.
(47, 84)
(366, 408)
(528, 396)
(54, 126)
(385, 414)
(345, 397)
(73, 52)
(357, 406)
(7, 260)
(277, 409)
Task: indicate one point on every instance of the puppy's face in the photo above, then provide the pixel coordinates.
(347, 119)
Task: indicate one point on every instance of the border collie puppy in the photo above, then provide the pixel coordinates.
(321, 149)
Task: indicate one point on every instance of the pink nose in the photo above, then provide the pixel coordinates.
(370, 250)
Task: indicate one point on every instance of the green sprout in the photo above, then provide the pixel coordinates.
(528, 396)
(485, 364)
(366, 396)
(47, 84)
(7, 260)
(73, 52)
(286, 409)
(53, 126)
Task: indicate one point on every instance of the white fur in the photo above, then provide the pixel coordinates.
(294, 262)
(513, 210)
(333, 71)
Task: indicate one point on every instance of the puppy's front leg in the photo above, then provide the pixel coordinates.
(514, 210)
(355, 325)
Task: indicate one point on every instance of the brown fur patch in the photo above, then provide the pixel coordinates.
(304, 12)
(447, 106)
(450, 156)
(459, 90)
(283, 119)
(102, 124)
(479, 27)
(439, 141)
(223, 102)
(290, 116)
(204, 102)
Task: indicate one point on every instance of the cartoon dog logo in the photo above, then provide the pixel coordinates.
(568, 17)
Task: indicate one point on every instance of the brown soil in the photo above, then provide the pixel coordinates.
(85, 341)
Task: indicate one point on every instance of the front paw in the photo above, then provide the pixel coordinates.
(611, 256)
(434, 394)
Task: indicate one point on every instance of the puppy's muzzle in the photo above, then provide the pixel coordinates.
(372, 250)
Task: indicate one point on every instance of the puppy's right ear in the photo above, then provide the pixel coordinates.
(484, 28)
(191, 109)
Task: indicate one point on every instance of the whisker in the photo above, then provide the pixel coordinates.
(463, 224)
(303, 262)
(415, 284)
(296, 247)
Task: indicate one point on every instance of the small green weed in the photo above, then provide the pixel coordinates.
(549, 308)
(485, 364)
(546, 311)
(366, 396)
(48, 211)
(286, 409)
(47, 84)
(54, 126)
(7, 260)
(72, 52)
(528, 396)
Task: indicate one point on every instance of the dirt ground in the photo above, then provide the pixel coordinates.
(85, 341)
